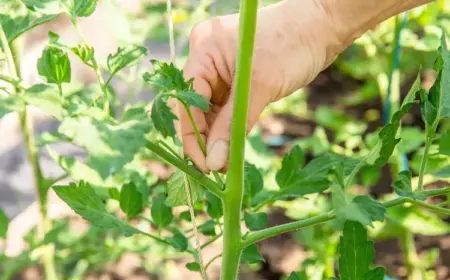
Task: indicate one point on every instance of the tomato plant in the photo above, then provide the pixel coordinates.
(118, 148)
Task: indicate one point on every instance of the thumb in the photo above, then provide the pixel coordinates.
(218, 143)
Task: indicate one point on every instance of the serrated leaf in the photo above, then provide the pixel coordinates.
(14, 27)
(402, 186)
(84, 52)
(177, 191)
(131, 200)
(357, 254)
(255, 221)
(178, 241)
(444, 143)
(86, 203)
(166, 77)
(54, 65)
(415, 88)
(125, 57)
(251, 254)
(161, 213)
(44, 6)
(194, 99)
(81, 8)
(213, 206)
(290, 167)
(253, 183)
(163, 118)
(4, 222)
(193, 266)
(110, 145)
(46, 98)
(294, 276)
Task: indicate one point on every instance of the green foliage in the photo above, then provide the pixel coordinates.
(4, 221)
(161, 213)
(402, 185)
(294, 276)
(16, 26)
(81, 8)
(131, 200)
(125, 57)
(253, 183)
(444, 143)
(255, 221)
(193, 266)
(213, 206)
(177, 192)
(163, 117)
(54, 65)
(84, 52)
(178, 241)
(86, 203)
(357, 254)
(166, 77)
(251, 254)
(45, 6)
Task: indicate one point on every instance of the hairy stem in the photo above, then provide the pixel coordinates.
(235, 182)
(258, 236)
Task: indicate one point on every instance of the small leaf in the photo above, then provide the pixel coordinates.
(213, 206)
(255, 221)
(86, 203)
(4, 222)
(294, 276)
(54, 65)
(444, 143)
(125, 57)
(357, 254)
(114, 194)
(162, 117)
(253, 182)
(208, 228)
(194, 99)
(131, 201)
(251, 254)
(81, 8)
(429, 112)
(161, 212)
(193, 266)
(166, 77)
(178, 241)
(177, 191)
(186, 215)
(402, 186)
(46, 98)
(84, 52)
(292, 163)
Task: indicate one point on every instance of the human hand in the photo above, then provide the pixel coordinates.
(290, 50)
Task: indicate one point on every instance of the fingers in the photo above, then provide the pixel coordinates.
(219, 135)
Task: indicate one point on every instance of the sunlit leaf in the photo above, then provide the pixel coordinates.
(14, 27)
(356, 254)
(177, 192)
(45, 6)
(166, 77)
(54, 65)
(86, 203)
(46, 98)
(194, 99)
(163, 118)
(84, 52)
(81, 8)
(291, 167)
(125, 57)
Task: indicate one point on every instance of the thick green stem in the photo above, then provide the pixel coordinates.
(423, 164)
(235, 183)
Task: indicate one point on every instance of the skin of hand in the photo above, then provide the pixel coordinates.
(295, 40)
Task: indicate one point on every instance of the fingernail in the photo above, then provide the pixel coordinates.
(217, 156)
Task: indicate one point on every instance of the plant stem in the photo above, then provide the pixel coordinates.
(189, 170)
(212, 260)
(96, 68)
(12, 81)
(423, 164)
(212, 240)
(33, 157)
(258, 236)
(234, 189)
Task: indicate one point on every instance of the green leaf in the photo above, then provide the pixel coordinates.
(357, 254)
(440, 92)
(415, 88)
(54, 65)
(14, 27)
(110, 145)
(213, 206)
(193, 266)
(194, 99)
(81, 8)
(4, 222)
(177, 192)
(178, 241)
(444, 143)
(255, 221)
(429, 112)
(46, 98)
(251, 254)
(362, 209)
(125, 57)
(114, 194)
(208, 228)
(45, 6)
(162, 117)
(290, 167)
(10, 103)
(166, 77)
(294, 276)
(131, 200)
(161, 212)
(86, 203)
(84, 52)
(253, 182)
(402, 186)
